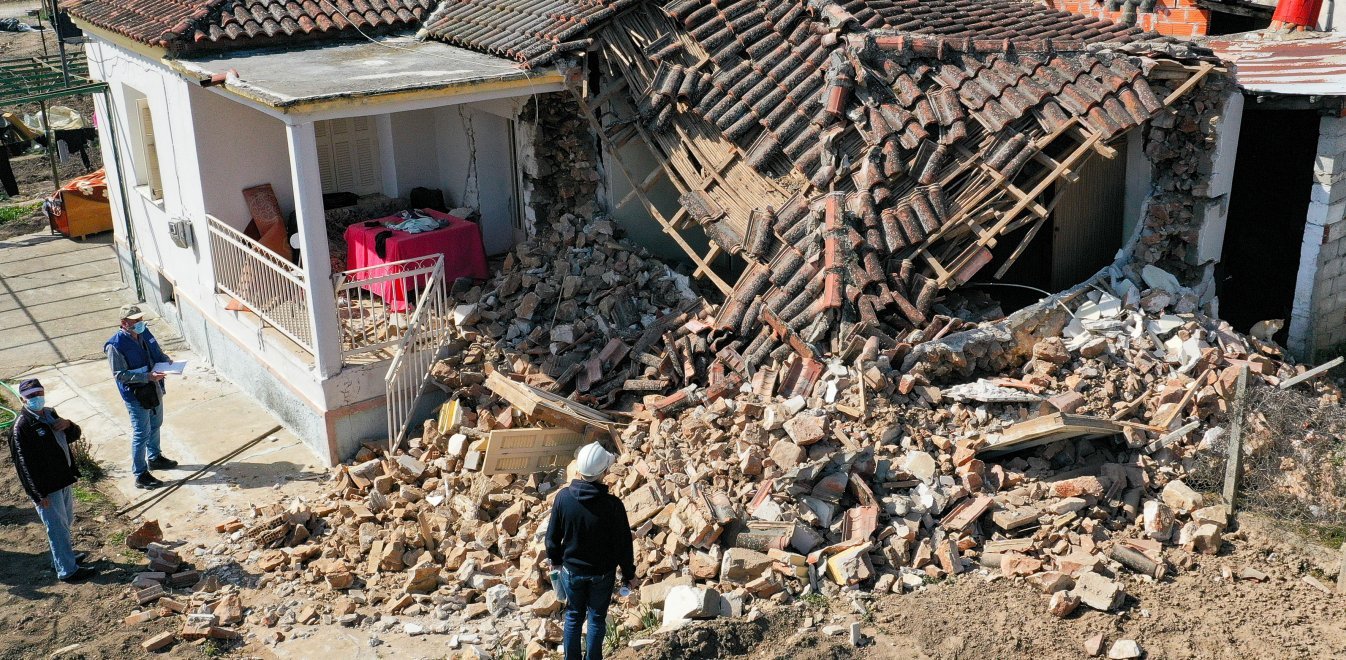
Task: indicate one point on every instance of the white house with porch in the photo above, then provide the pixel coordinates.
(374, 117)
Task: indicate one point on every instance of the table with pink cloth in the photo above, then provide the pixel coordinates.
(459, 241)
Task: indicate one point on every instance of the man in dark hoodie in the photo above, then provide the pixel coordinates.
(588, 538)
(42, 456)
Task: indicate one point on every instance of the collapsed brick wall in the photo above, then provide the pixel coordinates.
(1180, 144)
(561, 174)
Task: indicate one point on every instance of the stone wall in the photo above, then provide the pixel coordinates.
(561, 171)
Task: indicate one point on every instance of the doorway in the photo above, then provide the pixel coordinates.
(1268, 208)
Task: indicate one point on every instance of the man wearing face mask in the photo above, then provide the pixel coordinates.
(132, 354)
(42, 455)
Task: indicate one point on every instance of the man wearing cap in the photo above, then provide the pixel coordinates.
(588, 538)
(132, 354)
(42, 456)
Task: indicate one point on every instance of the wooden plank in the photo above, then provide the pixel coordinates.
(652, 209)
(1233, 472)
(548, 407)
(1047, 429)
(525, 451)
(1312, 373)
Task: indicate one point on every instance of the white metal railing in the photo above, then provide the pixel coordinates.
(261, 280)
(415, 351)
(375, 304)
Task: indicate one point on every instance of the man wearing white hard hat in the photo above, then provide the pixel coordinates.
(588, 539)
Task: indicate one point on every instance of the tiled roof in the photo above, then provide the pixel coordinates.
(186, 25)
(532, 32)
(780, 102)
(536, 31)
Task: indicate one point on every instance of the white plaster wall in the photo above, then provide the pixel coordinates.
(1139, 182)
(414, 148)
(171, 110)
(239, 148)
(476, 168)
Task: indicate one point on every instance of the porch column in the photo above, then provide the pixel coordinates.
(307, 185)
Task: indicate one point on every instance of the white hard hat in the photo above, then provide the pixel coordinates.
(593, 461)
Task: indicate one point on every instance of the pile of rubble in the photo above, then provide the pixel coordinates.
(171, 588)
(746, 490)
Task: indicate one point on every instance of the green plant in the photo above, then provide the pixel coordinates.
(213, 648)
(90, 470)
(517, 653)
(88, 495)
(17, 211)
(615, 638)
(648, 618)
(815, 600)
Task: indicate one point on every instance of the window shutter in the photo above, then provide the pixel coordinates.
(348, 156)
(326, 170)
(152, 178)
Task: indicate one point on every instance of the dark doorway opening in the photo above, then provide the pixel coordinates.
(1080, 236)
(1223, 22)
(1268, 208)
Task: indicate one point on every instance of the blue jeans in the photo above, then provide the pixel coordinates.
(591, 594)
(58, 516)
(145, 425)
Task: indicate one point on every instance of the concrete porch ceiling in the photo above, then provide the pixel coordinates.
(330, 78)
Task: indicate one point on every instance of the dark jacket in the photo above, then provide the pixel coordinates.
(589, 533)
(126, 354)
(43, 466)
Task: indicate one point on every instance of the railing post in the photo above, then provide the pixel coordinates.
(316, 258)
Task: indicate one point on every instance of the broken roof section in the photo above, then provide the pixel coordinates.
(887, 163)
(196, 25)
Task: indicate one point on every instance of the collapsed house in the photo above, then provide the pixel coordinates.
(832, 402)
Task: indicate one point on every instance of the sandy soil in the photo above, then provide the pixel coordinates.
(38, 613)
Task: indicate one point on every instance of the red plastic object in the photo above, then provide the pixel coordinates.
(1298, 12)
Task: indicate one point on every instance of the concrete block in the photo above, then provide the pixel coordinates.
(1212, 219)
(1331, 127)
(685, 603)
(1322, 215)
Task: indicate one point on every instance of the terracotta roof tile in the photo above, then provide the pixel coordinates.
(185, 25)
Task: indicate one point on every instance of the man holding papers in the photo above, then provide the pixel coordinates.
(134, 355)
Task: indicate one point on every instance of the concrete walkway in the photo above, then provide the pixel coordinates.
(59, 301)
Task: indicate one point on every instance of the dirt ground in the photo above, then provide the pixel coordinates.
(38, 613)
(1198, 614)
(33, 169)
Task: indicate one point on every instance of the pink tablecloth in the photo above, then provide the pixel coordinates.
(459, 242)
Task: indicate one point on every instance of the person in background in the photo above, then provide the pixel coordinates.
(588, 539)
(132, 354)
(46, 466)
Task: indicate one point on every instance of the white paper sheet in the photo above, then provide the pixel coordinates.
(175, 368)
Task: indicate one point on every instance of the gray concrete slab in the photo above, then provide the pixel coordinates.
(387, 65)
(59, 299)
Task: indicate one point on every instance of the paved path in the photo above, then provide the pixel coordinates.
(59, 300)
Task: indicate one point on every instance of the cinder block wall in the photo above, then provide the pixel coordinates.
(1174, 18)
(1318, 322)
